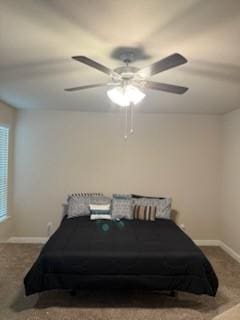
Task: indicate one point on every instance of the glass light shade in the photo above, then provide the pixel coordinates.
(117, 95)
(123, 96)
(134, 94)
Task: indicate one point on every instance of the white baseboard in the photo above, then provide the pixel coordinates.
(214, 243)
(222, 245)
(27, 240)
(208, 243)
(230, 251)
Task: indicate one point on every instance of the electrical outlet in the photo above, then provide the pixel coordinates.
(49, 228)
(182, 226)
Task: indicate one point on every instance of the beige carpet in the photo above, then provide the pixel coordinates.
(15, 261)
(231, 314)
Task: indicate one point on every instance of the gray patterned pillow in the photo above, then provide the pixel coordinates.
(100, 200)
(78, 203)
(122, 207)
(163, 205)
(164, 209)
(122, 196)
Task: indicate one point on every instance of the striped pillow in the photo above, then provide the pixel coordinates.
(99, 208)
(100, 212)
(164, 205)
(144, 212)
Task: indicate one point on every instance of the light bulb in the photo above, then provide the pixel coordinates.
(123, 96)
(134, 94)
(118, 96)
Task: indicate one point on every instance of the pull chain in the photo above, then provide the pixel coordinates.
(126, 124)
(131, 121)
(131, 118)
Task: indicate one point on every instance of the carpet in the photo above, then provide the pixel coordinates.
(16, 259)
(231, 314)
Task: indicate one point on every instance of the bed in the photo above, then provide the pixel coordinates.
(84, 254)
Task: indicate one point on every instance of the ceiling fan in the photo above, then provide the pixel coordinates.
(128, 79)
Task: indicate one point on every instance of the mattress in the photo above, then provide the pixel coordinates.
(127, 253)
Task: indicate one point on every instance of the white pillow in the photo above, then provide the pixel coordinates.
(100, 216)
(99, 207)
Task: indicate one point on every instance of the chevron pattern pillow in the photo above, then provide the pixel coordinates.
(78, 203)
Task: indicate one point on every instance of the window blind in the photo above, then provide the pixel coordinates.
(4, 133)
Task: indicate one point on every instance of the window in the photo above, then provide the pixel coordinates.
(4, 133)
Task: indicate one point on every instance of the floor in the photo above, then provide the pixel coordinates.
(16, 259)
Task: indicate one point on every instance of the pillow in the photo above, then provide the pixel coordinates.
(146, 197)
(144, 212)
(100, 200)
(100, 211)
(78, 203)
(164, 209)
(163, 205)
(122, 196)
(100, 208)
(122, 207)
(100, 216)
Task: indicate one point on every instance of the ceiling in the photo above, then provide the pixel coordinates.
(38, 38)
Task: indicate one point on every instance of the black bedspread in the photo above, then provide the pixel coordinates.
(132, 254)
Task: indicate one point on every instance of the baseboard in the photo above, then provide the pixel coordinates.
(208, 243)
(230, 251)
(214, 243)
(40, 240)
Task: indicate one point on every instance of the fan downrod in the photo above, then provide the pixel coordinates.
(127, 57)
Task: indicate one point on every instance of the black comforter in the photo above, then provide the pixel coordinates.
(132, 254)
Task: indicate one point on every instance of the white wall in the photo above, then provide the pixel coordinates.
(59, 152)
(230, 196)
(7, 117)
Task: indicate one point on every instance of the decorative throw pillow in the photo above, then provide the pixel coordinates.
(100, 208)
(138, 196)
(100, 200)
(144, 212)
(100, 216)
(78, 203)
(122, 207)
(163, 205)
(122, 196)
(100, 211)
(164, 209)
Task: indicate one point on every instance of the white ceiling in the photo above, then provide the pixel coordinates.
(38, 38)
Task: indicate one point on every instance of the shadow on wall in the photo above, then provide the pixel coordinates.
(174, 215)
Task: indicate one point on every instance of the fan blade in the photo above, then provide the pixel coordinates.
(164, 87)
(169, 62)
(95, 65)
(86, 87)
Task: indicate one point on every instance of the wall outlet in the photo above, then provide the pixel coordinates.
(49, 228)
(182, 226)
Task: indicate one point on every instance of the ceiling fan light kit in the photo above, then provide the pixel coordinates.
(124, 96)
(127, 80)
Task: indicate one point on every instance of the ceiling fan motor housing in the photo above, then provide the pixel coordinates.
(126, 72)
(127, 57)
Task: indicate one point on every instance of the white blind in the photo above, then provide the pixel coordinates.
(4, 132)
